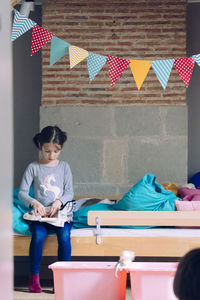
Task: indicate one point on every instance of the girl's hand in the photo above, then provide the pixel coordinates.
(55, 208)
(39, 209)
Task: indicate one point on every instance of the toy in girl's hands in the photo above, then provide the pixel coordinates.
(45, 216)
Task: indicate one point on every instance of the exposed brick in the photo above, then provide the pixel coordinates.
(63, 101)
(139, 29)
(134, 102)
(48, 102)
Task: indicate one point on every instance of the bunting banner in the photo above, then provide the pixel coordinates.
(185, 67)
(139, 69)
(95, 63)
(162, 69)
(58, 49)
(76, 55)
(197, 59)
(21, 24)
(116, 67)
(40, 37)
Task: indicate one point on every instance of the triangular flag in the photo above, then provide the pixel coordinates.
(40, 37)
(116, 67)
(185, 67)
(58, 49)
(140, 68)
(21, 24)
(163, 68)
(95, 63)
(76, 55)
(197, 58)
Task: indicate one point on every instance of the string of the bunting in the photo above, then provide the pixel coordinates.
(95, 62)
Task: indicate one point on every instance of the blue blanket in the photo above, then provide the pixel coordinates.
(18, 209)
(147, 194)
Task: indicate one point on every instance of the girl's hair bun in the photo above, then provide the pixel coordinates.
(50, 134)
(36, 140)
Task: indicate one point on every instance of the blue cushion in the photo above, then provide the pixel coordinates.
(147, 194)
(195, 180)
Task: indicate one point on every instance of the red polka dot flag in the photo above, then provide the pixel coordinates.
(116, 67)
(184, 67)
(40, 37)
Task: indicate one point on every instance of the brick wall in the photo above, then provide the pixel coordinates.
(130, 29)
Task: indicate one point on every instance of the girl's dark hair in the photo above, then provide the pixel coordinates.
(50, 134)
(187, 278)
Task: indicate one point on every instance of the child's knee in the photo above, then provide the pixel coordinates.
(38, 237)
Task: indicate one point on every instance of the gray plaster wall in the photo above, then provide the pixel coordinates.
(110, 148)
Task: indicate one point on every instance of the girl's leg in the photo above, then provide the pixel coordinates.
(39, 233)
(64, 241)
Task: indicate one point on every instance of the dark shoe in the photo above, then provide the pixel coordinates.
(34, 284)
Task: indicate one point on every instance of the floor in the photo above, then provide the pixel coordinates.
(21, 293)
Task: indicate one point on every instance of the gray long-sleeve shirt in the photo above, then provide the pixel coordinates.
(49, 183)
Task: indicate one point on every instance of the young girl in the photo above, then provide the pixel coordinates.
(52, 185)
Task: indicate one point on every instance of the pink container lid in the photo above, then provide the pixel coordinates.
(83, 265)
(153, 266)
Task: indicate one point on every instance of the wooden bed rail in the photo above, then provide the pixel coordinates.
(145, 218)
(143, 246)
(110, 197)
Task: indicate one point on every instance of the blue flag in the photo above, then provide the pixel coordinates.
(58, 49)
(163, 68)
(21, 24)
(95, 63)
(197, 59)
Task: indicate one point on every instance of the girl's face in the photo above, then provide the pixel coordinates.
(50, 154)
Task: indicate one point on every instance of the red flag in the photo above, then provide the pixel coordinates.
(185, 67)
(40, 37)
(116, 67)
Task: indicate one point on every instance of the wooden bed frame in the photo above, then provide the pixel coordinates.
(148, 246)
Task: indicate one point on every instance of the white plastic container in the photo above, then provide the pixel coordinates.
(88, 281)
(152, 280)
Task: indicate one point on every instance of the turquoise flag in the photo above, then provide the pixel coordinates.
(163, 68)
(58, 49)
(95, 63)
(197, 58)
(21, 24)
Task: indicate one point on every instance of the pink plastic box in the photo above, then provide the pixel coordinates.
(152, 280)
(88, 281)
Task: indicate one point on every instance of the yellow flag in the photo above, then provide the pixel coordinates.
(140, 68)
(76, 55)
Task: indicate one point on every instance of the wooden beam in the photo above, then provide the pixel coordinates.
(145, 218)
(110, 197)
(113, 246)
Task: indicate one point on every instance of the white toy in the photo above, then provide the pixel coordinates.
(125, 260)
